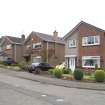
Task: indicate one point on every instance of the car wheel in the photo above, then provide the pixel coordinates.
(37, 71)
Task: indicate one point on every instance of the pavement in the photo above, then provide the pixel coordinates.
(15, 90)
(54, 81)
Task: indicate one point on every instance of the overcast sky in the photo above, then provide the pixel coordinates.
(23, 16)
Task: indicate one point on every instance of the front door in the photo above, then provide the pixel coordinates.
(72, 63)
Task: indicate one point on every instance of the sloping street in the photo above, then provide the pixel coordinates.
(18, 91)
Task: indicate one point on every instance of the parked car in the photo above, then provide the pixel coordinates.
(37, 67)
(9, 61)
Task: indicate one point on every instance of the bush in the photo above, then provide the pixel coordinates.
(99, 75)
(22, 65)
(58, 73)
(66, 71)
(78, 74)
(50, 71)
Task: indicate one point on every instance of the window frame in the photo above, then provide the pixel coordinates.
(70, 43)
(96, 40)
(89, 58)
(35, 44)
(9, 46)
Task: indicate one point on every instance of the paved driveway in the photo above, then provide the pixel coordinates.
(17, 91)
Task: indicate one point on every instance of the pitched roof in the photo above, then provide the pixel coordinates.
(78, 25)
(48, 38)
(14, 39)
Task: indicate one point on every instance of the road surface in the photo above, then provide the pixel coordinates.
(18, 91)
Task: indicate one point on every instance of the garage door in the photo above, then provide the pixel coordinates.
(36, 59)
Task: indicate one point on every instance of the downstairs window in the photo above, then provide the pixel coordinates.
(90, 61)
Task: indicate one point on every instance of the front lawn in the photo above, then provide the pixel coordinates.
(78, 74)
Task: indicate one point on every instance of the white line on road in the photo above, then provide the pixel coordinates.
(60, 100)
(43, 95)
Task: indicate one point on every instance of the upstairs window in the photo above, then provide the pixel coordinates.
(90, 40)
(9, 46)
(37, 45)
(72, 43)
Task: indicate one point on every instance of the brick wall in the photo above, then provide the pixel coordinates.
(96, 50)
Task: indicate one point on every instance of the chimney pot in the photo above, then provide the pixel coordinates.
(55, 35)
(23, 37)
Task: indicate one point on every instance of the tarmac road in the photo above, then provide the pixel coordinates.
(18, 91)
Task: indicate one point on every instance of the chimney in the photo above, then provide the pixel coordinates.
(23, 37)
(55, 35)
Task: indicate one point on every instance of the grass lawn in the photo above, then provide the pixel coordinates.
(85, 78)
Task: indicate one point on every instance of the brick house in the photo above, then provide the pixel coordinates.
(11, 47)
(39, 47)
(85, 46)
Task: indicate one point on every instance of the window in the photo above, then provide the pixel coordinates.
(72, 43)
(9, 46)
(37, 45)
(91, 40)
(90, 61)
(36, 59)
(28, 46)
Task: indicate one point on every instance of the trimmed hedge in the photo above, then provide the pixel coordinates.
(66, 71)
(78, 74)
(99, 75)
(58, 73)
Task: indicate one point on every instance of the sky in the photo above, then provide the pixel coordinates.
(24, 16)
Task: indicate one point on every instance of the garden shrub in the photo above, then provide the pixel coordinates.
(78, 74)
(50, 71)
(58, 73)
(22, 65)
(99, 75)
(66, 71)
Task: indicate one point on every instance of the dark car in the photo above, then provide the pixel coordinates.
(37, 67)
(9, 61)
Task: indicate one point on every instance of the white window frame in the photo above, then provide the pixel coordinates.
(28, 46)
(89, 58)
(35, 44)
(96, 40)
(38, 59)
(71, 44)
(9, 46)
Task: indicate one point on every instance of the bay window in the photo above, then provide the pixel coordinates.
(90, 61)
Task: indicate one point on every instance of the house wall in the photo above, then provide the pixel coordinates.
(30, 51)
(72, 51)
(9, 52)
(19, 56)
(55, 52)
(95, 50)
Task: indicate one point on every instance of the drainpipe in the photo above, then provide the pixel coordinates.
(47, 52)
(15, 52)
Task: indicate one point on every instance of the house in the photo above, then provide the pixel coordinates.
(39, 47)
(85, 46)
(11, 47)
